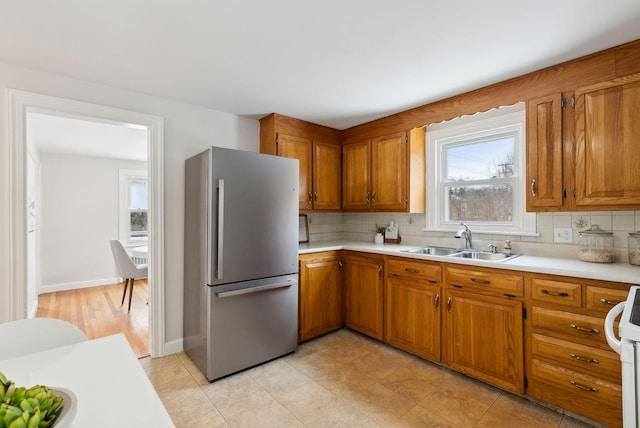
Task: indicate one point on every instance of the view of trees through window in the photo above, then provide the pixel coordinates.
(138, 207)
(478, 180)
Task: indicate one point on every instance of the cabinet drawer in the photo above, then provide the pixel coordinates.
(570, 325)
(586, 395)
(485, 280)
(566, 293)
(419, 270)
(603, 299)
(596, 362)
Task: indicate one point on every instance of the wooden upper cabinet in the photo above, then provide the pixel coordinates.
(376, 174)
(389, 172)
(326, 176)
(544, 153)
(318, 150)
(356, 175)
(299, 148)
(607, 148)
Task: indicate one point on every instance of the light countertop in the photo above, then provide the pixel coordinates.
(620, 271)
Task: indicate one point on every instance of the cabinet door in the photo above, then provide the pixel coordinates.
(412, 317)
(389, 172)
(320, 295)
(544, 153)
(299, 148)
(326, 176)
(485, 339)
(363, 295)
(356, 181)
(607, 149)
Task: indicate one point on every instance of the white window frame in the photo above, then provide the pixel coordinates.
(505, 120)
(125, 176)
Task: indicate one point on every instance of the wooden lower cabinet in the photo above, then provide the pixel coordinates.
(412, 307)
(484, 338)
(320, 298)
(570, 364)
(363, 294)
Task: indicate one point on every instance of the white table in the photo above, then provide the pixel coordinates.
(107, 378)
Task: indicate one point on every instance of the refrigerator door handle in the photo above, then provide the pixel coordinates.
(220, 228)
(608, 327)
(223, 294)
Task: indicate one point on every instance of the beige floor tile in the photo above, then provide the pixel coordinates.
(307, 394)
(278, 377)
(345, 383)
(184, 396)
(418, 416)
(270, 415)
(192, 369)
(237, 394)
(509, 408)
(164, 370)
(414, 381)
(209, 418)
(381, 404)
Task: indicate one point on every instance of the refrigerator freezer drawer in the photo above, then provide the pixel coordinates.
(251, 322)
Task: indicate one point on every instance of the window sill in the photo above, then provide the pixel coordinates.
(484, 232)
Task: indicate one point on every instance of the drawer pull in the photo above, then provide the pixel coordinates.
(551, 293)
(449, 305)
(437, 300)
(480, 281)
(583, 359)
(412, 270)
(586, 330)
(582, 387)
(395, 275)
(608, 302)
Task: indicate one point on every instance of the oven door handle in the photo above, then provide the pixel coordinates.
(612, 340)
(223, 294)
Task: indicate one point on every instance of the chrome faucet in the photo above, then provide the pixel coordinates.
(466, 232)
(493, 248)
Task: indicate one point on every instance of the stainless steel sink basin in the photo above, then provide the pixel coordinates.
(483, 255)
(434, 251)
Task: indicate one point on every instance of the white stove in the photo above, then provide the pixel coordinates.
(628, 346)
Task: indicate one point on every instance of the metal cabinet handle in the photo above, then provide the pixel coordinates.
(315, 196)
(608, 302)
(412, 270)
(310, 197)
(395, 275)
(449, 305)
(481, 281)
(533, 188)
(340, 266)
(380, 271)
(583, 359)
(436, 301)
(585, 329)
(551, 293)
(582, 387)
(367, 197)
(373, 197)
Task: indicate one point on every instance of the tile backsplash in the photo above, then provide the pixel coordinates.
(359, 227)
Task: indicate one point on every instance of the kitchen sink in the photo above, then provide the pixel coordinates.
(483, 255)
(434, 251)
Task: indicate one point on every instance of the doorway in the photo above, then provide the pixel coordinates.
(21, 104)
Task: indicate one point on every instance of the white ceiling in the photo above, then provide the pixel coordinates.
(333, 62)
(84, 137)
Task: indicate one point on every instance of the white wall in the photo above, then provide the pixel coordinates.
(188, 129)
(79, 212)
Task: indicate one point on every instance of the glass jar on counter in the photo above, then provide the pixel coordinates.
(596, 245)
(634, 248)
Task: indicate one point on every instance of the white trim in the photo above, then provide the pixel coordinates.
(79, 284)
(18, 103)
(506, 119)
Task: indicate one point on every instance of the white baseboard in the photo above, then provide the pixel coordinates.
(75, 285)
(173, 347)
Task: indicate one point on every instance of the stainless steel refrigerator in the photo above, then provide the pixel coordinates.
(240, 259)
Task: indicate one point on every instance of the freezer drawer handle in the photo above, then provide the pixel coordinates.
(223, 294)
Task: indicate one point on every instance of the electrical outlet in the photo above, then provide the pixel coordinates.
(562, 235)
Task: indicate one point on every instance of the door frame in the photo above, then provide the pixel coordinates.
(21, 102)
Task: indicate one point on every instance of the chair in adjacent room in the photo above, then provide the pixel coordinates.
(127, 269)
(30, 335)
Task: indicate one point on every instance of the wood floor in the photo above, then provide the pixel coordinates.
(97, 311)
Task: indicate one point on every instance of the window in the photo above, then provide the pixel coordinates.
(476, 173)
(134, 206)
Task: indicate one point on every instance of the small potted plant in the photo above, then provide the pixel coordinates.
(379, 231)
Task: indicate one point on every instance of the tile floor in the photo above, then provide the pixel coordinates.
(342, 379)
